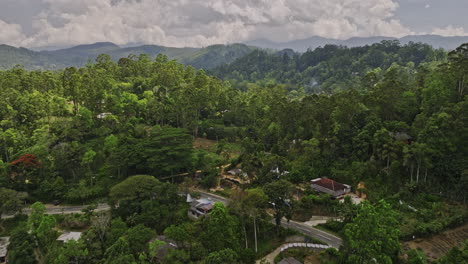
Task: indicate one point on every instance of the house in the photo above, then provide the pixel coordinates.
(4, 242)
(280, 173)
(330, 186)
(67, 236)
(103, 115)
(199, 207)
(163, 250)
(237, 172)
(401, 136)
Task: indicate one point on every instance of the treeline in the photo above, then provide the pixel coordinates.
(325, 69)
(78, 134)
(95, 125)
(402, 125)
(83, 129)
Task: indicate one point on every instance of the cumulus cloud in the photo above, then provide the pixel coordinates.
(10, 34)
(450, 31)
(204, 22)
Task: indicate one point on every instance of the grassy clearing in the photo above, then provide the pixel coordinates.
(205, 144)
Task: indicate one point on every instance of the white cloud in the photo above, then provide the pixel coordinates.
(205, 22)
(427, 6)
(10, 34)
(450, 31)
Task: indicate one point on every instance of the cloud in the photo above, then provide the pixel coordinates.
(204, 22)
(427, 6)
(10, 34)
(450, 31)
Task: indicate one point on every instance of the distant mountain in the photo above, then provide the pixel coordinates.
(203, 58)
(447, 43)
(11, 56)
(298, 45)
(215, 55)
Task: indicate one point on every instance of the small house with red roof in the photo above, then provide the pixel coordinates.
(330, 186)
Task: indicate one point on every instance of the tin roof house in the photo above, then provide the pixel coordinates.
(4, 242)
(330, 186)
(199, 207)
(67, 236)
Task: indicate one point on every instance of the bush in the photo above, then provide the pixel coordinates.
(334, 226)
(416, 257)
(298, 253)
(209, 181)
(9, 224)
(73, 221)
(432, 198)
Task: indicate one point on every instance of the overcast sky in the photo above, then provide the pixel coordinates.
(179, 23)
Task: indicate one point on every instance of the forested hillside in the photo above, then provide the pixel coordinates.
(392, 116)
(302, 45)
(201, 58)
(324, 69)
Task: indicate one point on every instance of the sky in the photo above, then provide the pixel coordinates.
(198, 23)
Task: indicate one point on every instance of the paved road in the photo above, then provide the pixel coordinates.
(326, 237)
(214, 197)
(50, 209)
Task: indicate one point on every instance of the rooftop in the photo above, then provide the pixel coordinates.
(401, 136)
(329, 184)
(203, 203)
(67, 236)
(4, 242)
(235, 171)
(163, 250)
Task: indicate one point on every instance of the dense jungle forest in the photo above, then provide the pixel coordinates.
(128, 133)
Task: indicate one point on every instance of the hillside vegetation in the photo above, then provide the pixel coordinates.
(394, 117)
(302, 45)
(325, 69)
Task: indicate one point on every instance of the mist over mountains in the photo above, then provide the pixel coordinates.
(202, 58)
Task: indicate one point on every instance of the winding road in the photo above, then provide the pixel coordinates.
(63, 209)
(326, 237)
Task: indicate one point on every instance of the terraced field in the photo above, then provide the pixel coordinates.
(438, 245)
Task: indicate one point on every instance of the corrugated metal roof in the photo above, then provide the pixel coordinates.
(329, 184)
(67, 236)
(4, 242)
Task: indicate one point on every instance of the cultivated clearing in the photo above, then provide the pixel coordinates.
(438, 245)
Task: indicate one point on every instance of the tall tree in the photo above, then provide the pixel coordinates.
(280, 197)
(10, 201)
(372, 236)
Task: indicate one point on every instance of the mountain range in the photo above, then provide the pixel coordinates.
(202, 58)
(302, 45)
